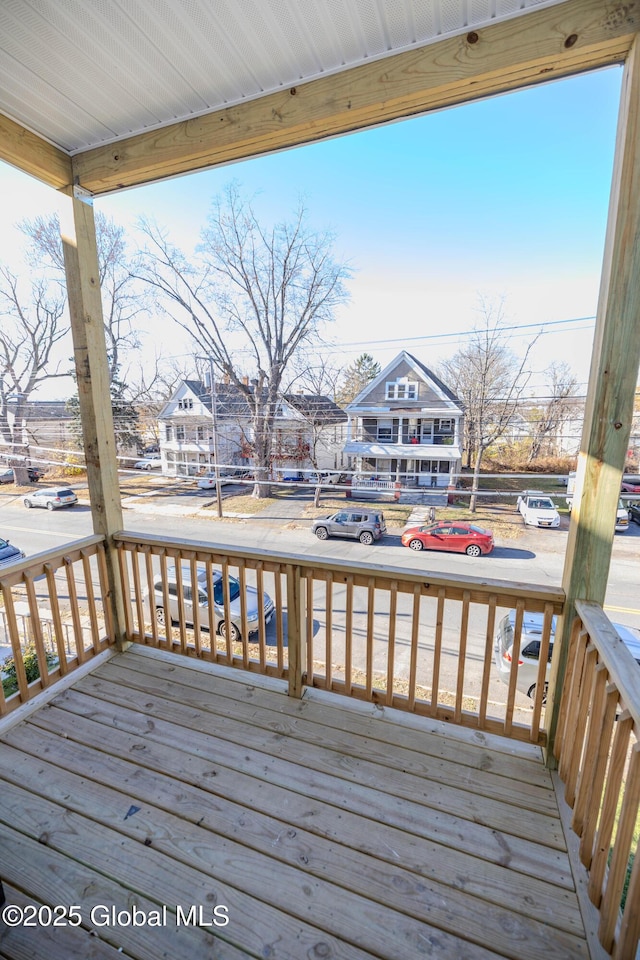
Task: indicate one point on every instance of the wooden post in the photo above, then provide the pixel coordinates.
(612, 382)
(92, 377)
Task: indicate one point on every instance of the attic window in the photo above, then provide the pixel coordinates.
(402, 389)
(185, 404)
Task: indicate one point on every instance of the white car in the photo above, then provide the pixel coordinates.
(530, 642)
(148, 463)
(537, 509)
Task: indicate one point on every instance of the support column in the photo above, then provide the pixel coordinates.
(92, 376)
(612, 382)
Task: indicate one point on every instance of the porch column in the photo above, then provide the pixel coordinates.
(92, 375)
(612, 382)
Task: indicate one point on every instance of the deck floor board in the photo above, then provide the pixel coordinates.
(326, 832)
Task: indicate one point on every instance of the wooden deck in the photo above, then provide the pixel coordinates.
(330, 830)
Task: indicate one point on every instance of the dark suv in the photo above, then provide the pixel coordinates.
(363, 525)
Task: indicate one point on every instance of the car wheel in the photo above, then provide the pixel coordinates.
(160, 615)
(531, 692)
(49, 505)
(366, 537)
(322, 533)
(416, 544)
(234, 633)
(473, 550)
(27, 503)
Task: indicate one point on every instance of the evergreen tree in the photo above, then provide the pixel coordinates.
(361, 372)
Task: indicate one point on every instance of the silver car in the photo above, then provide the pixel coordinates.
(530, 649)
(52, 499)
(363, 525)
(236, 603)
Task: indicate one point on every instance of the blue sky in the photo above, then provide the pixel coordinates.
(502, 198)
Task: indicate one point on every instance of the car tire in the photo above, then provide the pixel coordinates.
(322, 533)
(49, 505)
(531, 692)
(234, 633)
(160, 618)
(416, 544)
(473, 550)
(27, 503)
(366, 537)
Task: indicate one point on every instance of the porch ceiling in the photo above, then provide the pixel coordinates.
(236, 78)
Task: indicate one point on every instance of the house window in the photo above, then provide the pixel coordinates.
(385, 433)
(445, 426)
(180, 433)
(200, 434)
(168, 432)
(402, 389)
(185, 404)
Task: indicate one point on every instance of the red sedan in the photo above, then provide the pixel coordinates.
(455, 536)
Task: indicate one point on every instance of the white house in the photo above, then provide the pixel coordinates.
(309, 431)
(406, 425)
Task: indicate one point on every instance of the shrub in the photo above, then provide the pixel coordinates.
(31, 667)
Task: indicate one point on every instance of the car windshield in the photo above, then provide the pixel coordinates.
(3, 544)
(218, 593)
(542, 503)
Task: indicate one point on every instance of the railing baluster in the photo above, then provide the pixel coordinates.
(328, 637)
(571, 777)
(166, 600)
(462, 656)
(126, 589)
(294, 632)
(182, 619)
(35, 631)
(513, 674)
(195, 604)
(75, 609)
(262, 638)
(137, 591)
(16, 649)
(91, 600)
(488, 660)
(541, 679)
(279, 624)
(617, 763)
(573, 700)
(391, 642)
(603, 735)
(437, 653)
(609, 909)
(564, 703)
(584, 788)
(415, 638)
(103, 579)
(626, 944)
(242, 580)
(309, 627)
(348, 637)
(370, 637)
(150, 590)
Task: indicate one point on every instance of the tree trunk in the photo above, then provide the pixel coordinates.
(476, 480)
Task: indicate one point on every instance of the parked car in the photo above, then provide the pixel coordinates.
(630, 485)
(252, 609)
(34, 474)
(52, 498)
(453, 536)
(363, 525)
(633, 511)
(530, 642)
(9, 553)
(208, 480)
(622, 515)
(537, 509)
(148, 463)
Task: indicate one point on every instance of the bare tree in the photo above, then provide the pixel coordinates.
(249, 300)
(122, 301)
(30, 326)
(555, 411)
(489, 380)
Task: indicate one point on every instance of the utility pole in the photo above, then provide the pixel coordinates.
(214, 422)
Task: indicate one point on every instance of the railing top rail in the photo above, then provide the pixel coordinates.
(480, 588)
(620, 663)
(9, 576)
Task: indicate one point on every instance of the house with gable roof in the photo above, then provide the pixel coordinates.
(406, 425)
(309, 430)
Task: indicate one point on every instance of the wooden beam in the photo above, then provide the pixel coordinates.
(612, 383)
(92, 378)
(33, 155)
(543, 45)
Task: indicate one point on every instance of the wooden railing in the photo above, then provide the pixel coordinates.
(418, 642)
(599, 762)
(53, 617)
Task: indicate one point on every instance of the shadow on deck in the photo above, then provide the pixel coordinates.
(318, 828)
